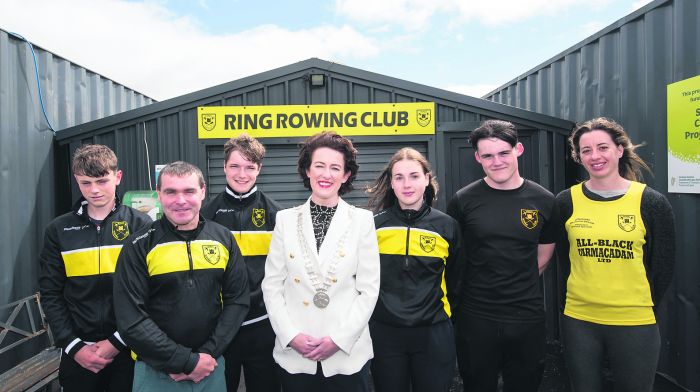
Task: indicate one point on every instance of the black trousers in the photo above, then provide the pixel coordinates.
(632, 352)
(486, 348)
(115, 377)
(252, 349)
(302, 382)
(413, 358)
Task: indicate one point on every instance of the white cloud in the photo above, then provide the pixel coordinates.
(411, 14)
(474, 90)
(416, 14)
(149, 49)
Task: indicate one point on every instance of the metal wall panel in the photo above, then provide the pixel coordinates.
(72, 95)
(175, 123)
(622, 72)
(280, 180)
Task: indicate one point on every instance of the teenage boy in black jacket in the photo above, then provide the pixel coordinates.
(250, 215)
(77, 264)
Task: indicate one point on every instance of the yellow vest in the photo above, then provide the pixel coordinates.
(608, 282)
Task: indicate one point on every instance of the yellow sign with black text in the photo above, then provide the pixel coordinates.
(223, 122)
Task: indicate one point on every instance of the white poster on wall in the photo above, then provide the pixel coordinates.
(683, 101)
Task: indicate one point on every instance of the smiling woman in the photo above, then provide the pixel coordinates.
(322, 276)
(619, 237)
(418, 245)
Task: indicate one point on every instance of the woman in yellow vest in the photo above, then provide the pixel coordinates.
(621, 249)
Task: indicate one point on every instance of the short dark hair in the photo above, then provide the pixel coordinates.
(94, 160)
(180, 169)
(333, 141)
(498, 129)
(247, 145)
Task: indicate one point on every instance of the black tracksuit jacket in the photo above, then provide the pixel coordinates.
(418, 253)
(251, 219)
(177, 295)
(77, 264)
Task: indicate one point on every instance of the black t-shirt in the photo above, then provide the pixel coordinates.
(501, 230)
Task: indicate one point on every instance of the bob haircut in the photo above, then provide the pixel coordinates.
(335, 142)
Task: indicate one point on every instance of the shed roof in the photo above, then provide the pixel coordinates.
(312, 65)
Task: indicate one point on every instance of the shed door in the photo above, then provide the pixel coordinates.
(279, 178)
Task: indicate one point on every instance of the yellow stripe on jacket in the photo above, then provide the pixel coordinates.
(421, 243)
(91, 261)
(253, 243)
(172, 256)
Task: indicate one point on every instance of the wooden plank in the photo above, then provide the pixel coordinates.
(32, 371)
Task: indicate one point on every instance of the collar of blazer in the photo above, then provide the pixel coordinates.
(340, 224)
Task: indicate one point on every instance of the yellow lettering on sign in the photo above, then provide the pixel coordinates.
(223, 122)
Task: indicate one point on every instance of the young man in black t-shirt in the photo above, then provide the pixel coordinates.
(508, 231)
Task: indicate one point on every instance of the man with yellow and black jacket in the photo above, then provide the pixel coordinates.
(77, 264)
(250, 215)
(181, 290)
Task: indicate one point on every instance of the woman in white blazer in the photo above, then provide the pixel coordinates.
(322, 276)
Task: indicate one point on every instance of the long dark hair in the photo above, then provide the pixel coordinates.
(631, 165)
(381, 196)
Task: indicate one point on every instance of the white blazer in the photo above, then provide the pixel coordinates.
(288, 291)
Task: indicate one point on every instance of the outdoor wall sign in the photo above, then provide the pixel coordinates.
(684, 136)
(223, 122)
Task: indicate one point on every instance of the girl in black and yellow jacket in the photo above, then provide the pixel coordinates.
(418, 245)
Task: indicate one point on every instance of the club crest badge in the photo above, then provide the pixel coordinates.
(423, 117)
(208, 121)
(626, 222)
(427, 243)
(529, 218)
(211, 253)
(258, 217)
(120, 230)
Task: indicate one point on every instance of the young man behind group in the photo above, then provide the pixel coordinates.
(508, 230)
(250, 215)
(77, 264)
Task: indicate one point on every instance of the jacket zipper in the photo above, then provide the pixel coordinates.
(99, 273)
(240, 222)
(408, 236)
(190, 280)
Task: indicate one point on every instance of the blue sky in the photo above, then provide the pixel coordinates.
(167, 48)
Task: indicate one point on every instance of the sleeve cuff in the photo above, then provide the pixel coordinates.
(191, 363)
(343, 345)
(73, 347)
(117, 341)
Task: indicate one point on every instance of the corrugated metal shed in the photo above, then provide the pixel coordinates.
(72, 95)
(622, 72)
(169, 128)
(167, 131)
